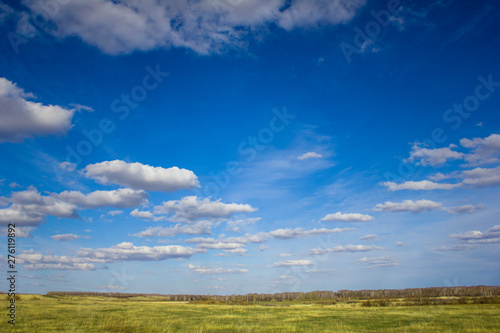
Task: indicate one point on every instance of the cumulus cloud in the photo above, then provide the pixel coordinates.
(491, 235)
(349, 217)
(87, 258)
(309, 155)
(484, 151)
(36, 261)
(346, 248)
(210, 270)
(299, 232)
(204, 26)
(408, 206)
(29, 208)
(142, 176)
(129, 252)
(481, 177)
(121, 198)
(289, 263)
(375, 262)
(143, 214)
(200, 228)
(67, 237)
(424, 185)
(425, 156)
(21, 118)
(191, 208)
(21, 232)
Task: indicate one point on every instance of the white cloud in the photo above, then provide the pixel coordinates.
(485, 150)
(115, 212)
(209, 270)
(67, 237)
(29, 208)
(408, 206)
(482, 177)
(285, 255)
(424, 185)
(369, 237)
(15, 214)
(191, 208)
(35, 261)
(143, 214)
(299, 232)
(21, 118)
(309, 155)
(346, 248)
(142, 176)
(465, 209)
(220, 245)
(238, 251)
(375, 262)
(128, 252)
(288, 263)
(121, 198)
(491, 235)
(87, 258)
(200, 228)
(205, 26)
(349, 217)
(21, 232)
(434, 157)
(199, 240)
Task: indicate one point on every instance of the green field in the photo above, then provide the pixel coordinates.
(149, 314)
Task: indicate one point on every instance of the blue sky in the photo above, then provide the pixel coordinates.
(238, 146)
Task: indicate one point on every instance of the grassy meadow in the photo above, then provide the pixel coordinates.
(36, 313)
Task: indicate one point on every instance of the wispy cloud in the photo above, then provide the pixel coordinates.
(309, 155)
(346, 248)
(375, 262)
(289, 263)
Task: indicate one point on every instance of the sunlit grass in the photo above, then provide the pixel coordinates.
(100, 314)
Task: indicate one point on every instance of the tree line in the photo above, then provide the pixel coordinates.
(338, 296)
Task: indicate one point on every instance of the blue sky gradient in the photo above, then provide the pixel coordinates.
(236, 146)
